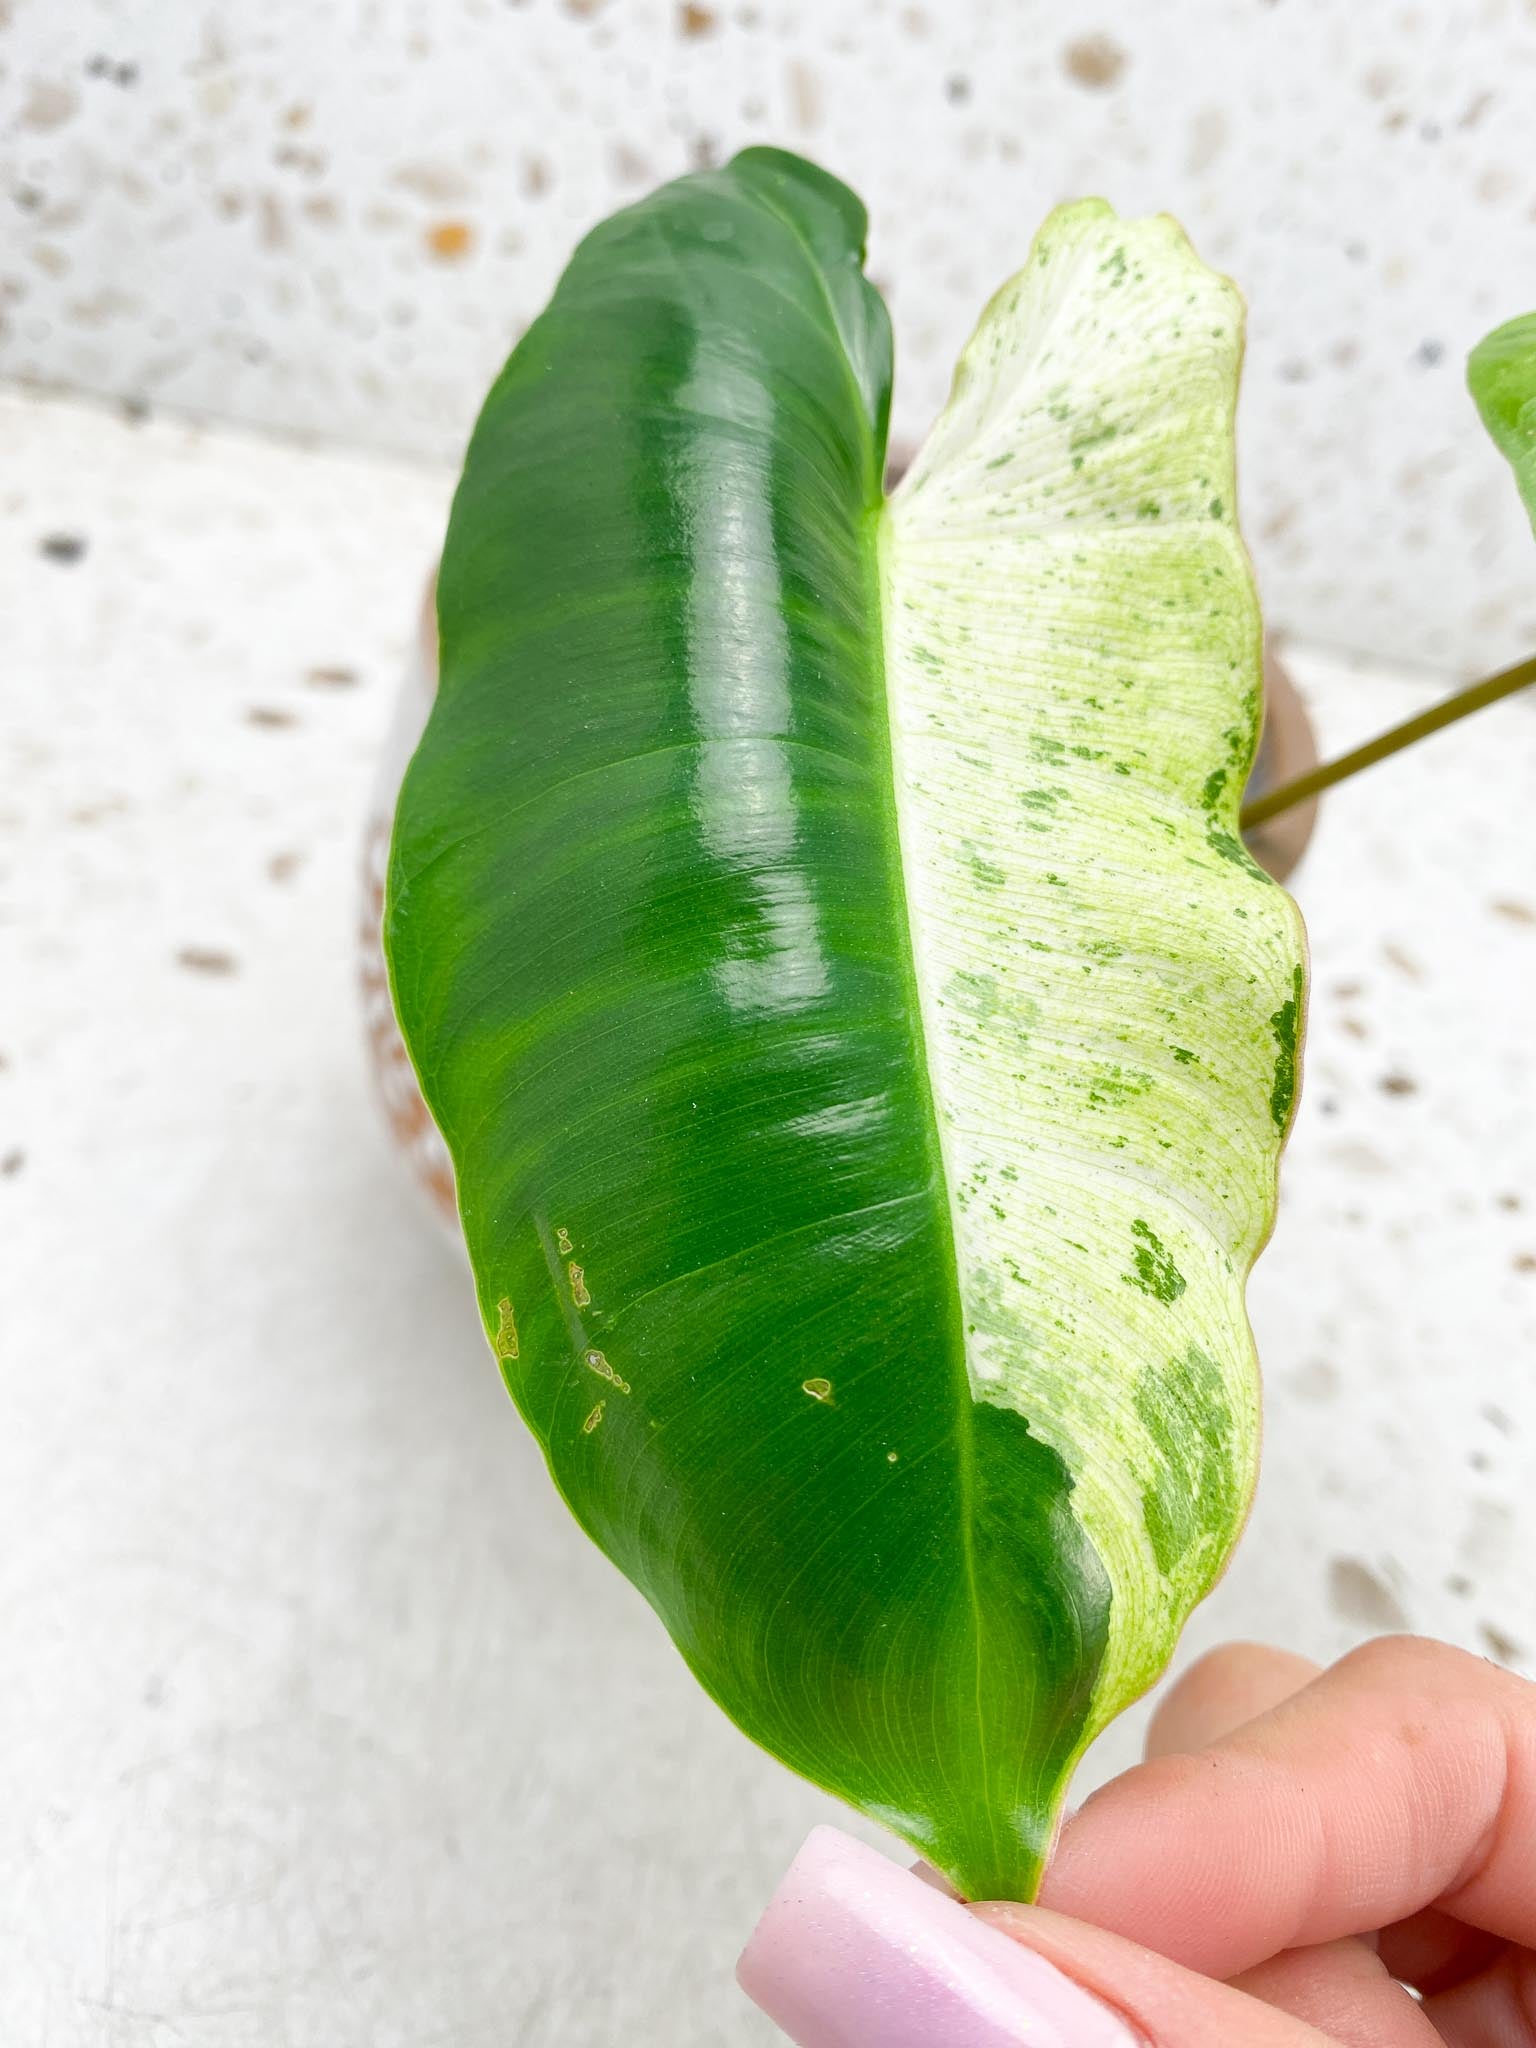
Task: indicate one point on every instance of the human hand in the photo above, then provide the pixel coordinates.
(1298, 1847)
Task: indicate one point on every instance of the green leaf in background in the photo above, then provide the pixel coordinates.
(822, 933)
(1501, 372)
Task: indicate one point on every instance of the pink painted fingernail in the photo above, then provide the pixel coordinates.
(855, 1952)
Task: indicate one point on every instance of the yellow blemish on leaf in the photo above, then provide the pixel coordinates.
(891, 1457)
(563, 1241)
(504, 1343)
(578, 1280)
(598, 1364)
(593, 1419)
(818, 1389)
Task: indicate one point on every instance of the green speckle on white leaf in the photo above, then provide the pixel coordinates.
(1021, 641)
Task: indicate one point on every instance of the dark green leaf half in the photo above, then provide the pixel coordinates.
(823, 938)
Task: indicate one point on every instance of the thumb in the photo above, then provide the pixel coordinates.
(856, 1952)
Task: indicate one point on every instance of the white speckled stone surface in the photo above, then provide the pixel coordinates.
(321, 1724)
(333, 216)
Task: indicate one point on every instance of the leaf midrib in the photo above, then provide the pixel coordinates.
(964, 1396)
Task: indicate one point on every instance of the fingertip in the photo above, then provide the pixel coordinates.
(1156, 2000)
(1221, 1691)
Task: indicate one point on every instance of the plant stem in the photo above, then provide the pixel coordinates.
(1461, 705)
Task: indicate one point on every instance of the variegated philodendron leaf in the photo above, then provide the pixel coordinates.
(823, 935)
(1502, 374)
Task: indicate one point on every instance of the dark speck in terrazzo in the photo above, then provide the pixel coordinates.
(1475, 109)
(1402, 960)
(63, 547)
(1361, 1596)
(1094, 61)
(628, 165)
(207, 960)
(104, 67)
(1501, 1646)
